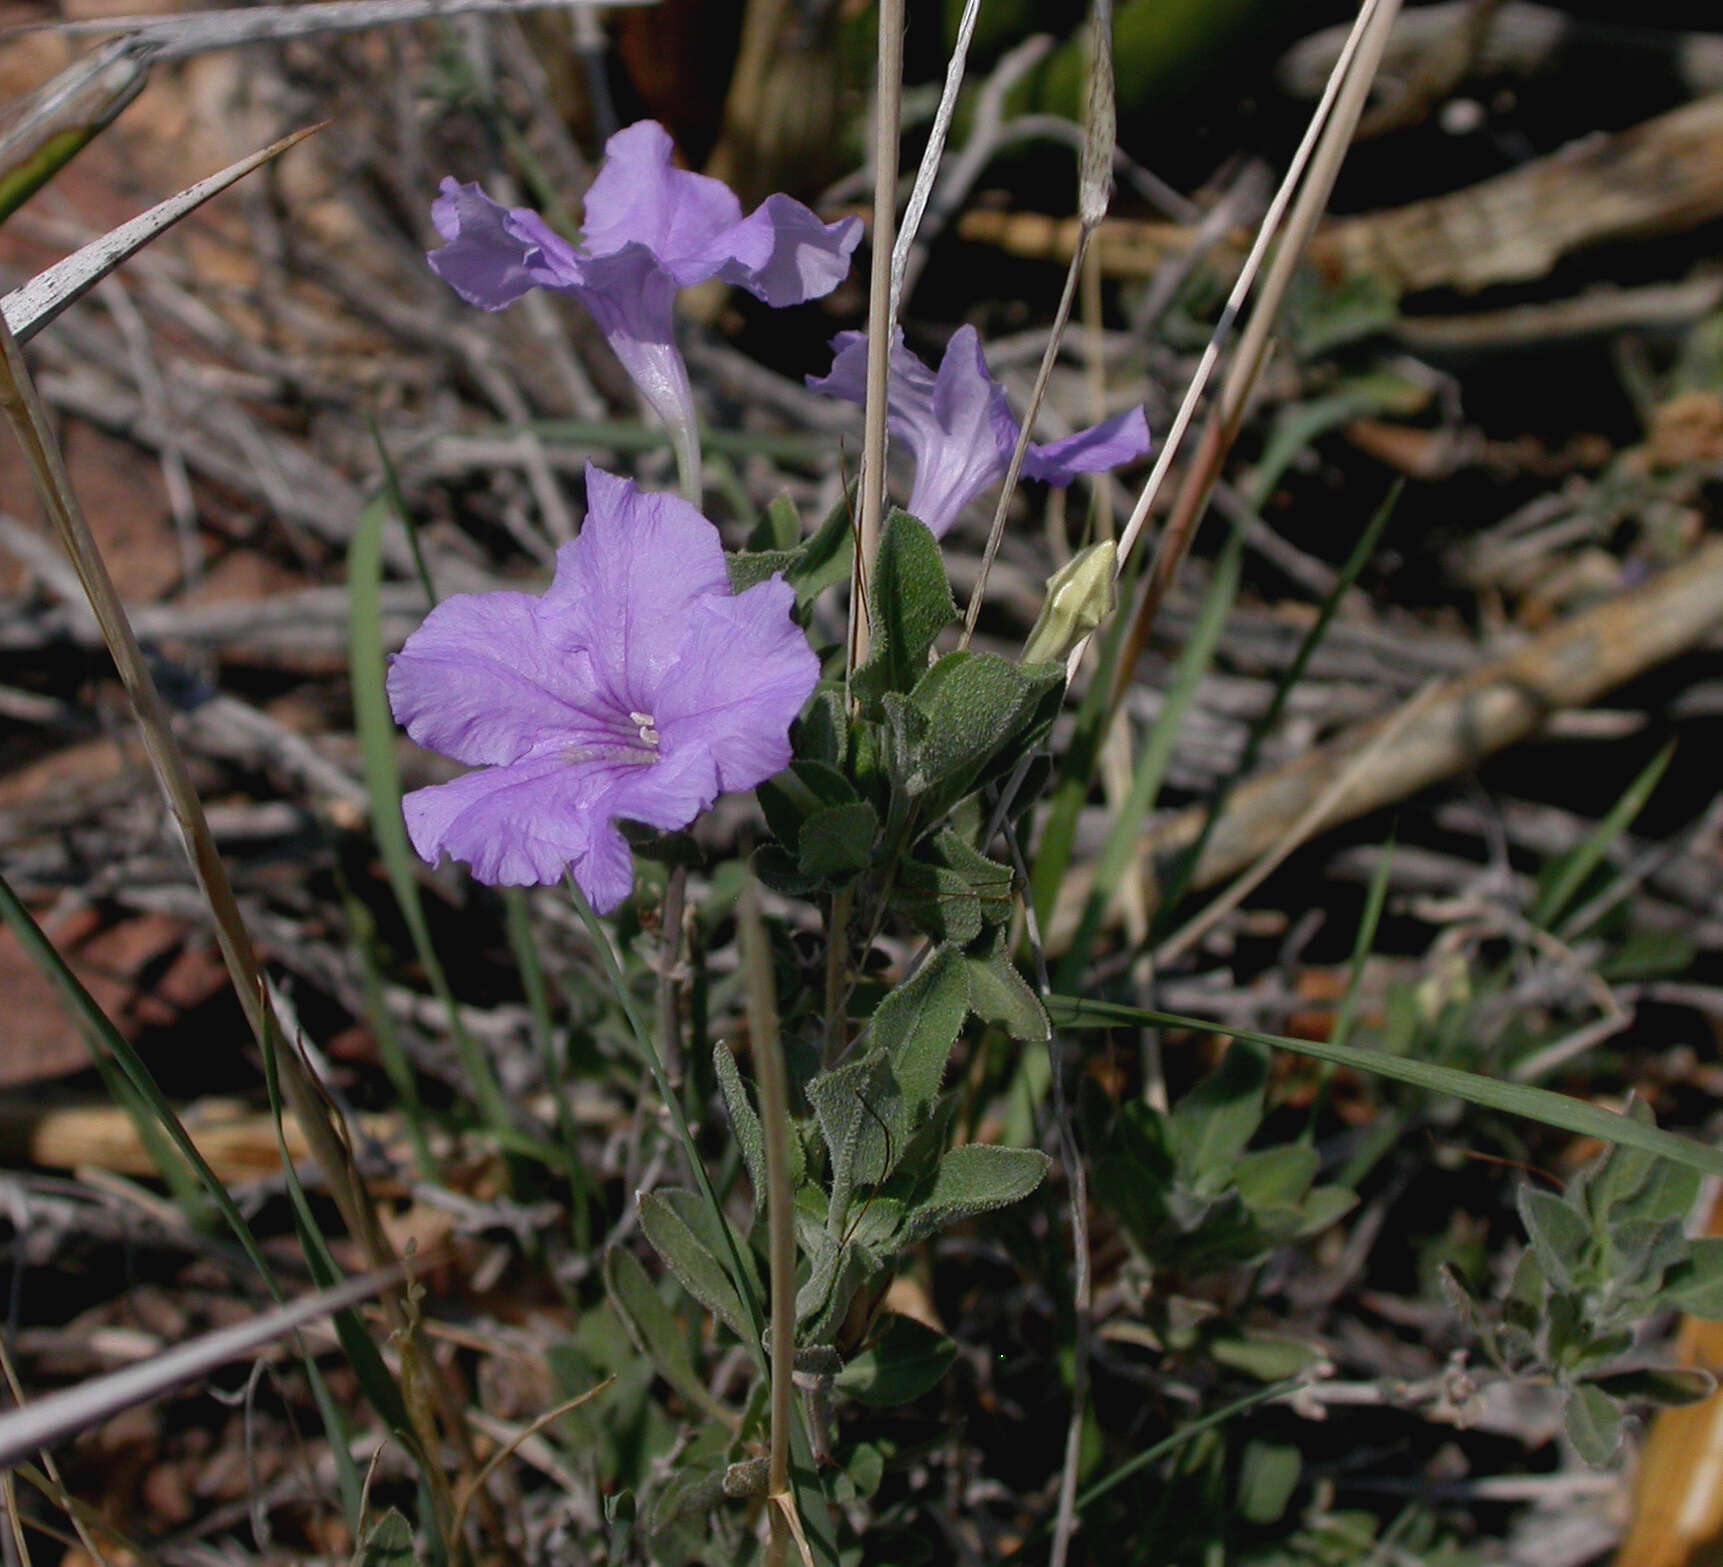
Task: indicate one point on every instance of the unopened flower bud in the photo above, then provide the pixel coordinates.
(1080, 596)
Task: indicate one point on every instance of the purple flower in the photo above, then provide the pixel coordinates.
(962, 432)
(638, 686)
(650, 230)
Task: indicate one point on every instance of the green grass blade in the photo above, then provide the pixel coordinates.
(1570, 873)
(1178, 874)
(96, 1023)
(1534, 1104)
(376, 730)
(1119, 852)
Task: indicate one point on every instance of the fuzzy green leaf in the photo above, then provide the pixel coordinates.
(899, 1366)
(1593, 1423)
(911, 605)
(999, 994)
(692, 1262)
(655, 1332)
(975, 1178)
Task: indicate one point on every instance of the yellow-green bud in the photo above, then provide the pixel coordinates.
(1080, 596)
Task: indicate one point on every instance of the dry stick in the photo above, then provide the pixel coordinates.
(888, 97)
(22, 405)
(1175, 541)
(1466, 719)
(780, 1216)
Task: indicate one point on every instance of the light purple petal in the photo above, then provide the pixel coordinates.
(640, 198)
(633, 300)
(744, 670)
(957, 447)
(1098, 449)
(494, 253)
(523, 826)
(672, 793)
(480, 683)
(626, 588)
(781, 253)
(847, 378)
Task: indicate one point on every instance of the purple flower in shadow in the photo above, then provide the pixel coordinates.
(650, 230)
(637, 686)
(960, 429)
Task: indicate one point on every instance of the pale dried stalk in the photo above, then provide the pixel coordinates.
(888, 98)
(1375, 21)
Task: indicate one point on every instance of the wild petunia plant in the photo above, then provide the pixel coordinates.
(960, 429)
(650, 230)
(655, 673)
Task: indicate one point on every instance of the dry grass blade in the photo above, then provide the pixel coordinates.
(52, 1419)
(32, 306)
(40, 131)
(1375, 22)
(176, 37)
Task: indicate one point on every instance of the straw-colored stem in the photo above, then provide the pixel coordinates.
(780, 1213)
(1375, 23)
(871, 509)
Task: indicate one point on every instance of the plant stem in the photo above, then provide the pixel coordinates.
(887, 102)
(780, 1218)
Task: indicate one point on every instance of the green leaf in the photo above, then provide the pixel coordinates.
(975, 1178)
(1268, 1475)
(975, 704)
(655, 1332)
(918, 1023)
(692, 1262)
(862, 1117)
(1565, 876)
(802, 790)
(743, 1121)
(1535, 1104)
(998, 994)
(1276, 1177)
(810, 567)
(1593, 1424)
(1562, 1239)
(951, 890)
(899, 1366)
(388, 1542)
(1213, 1124)
(1695, 1284)
(1669, 1387)
(911, 605)
(838, 840)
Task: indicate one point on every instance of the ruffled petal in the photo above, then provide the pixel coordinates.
(480, 683)
(781, 253)
(742, 674)
(495, 253)
(640, 198)
(626, 588)
(847, 378)
(1098, 449)
(521, 826)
